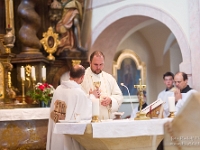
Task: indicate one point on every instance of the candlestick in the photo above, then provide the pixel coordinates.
(9, 80)
(23, 92)
(22, 73)
(43, 74)
(34, 100)
(171, 103)
(95, 110)
(33, 73)
(172, 115)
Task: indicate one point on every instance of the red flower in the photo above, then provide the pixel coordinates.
(41, 87)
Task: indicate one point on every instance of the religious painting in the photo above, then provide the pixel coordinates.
(128, 69)
(129, 75)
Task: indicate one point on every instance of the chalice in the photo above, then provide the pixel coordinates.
(97, 84)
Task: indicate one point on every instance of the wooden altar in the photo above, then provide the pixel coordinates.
(117, 135)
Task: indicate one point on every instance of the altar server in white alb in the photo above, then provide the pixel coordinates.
(109, 92)
(168, 79)
(68, 100)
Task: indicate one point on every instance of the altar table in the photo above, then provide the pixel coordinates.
(116, 134)
(23, 128)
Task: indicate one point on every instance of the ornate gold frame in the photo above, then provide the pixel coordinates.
(50, 42)
(139, 64)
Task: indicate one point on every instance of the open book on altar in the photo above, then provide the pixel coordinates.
(155, 109)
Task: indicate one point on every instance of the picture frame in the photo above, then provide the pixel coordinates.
(128, 69)
(50, 42)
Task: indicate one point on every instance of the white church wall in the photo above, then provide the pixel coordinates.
(156, 34)
(177, 9)
(160, 70)
(105, 15)
(130, 10)
(175, 58)
(138, 44)
(194, 19)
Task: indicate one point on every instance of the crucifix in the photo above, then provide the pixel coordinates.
(140, 87)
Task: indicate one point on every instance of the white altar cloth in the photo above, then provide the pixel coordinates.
(129, 128)
(71, 128)
(115, 128)
(24, 114)
(117, 134)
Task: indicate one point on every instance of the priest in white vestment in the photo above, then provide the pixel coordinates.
(109, 93)
(183, 90)
(77, 102)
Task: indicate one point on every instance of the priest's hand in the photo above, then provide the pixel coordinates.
(105, 101)
(96, 92)
(177, 95)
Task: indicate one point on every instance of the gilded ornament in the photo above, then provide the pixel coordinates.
(76, 62)
(50, 42)
(28, 74)
(2, 81)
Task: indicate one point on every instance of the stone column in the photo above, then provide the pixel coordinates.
(194, 32)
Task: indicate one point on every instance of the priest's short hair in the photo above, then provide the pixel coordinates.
(77, 71)
(168, 74)
(96, 53)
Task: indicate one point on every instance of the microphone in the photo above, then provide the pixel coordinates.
(122, 84)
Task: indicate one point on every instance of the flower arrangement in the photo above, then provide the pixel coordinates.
(41, 92)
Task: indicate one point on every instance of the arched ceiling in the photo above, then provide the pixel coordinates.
(155, 33)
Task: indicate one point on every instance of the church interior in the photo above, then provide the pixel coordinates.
(47, 37)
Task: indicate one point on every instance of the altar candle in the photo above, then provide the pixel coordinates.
(11, 9)
(33, 72)
(171, 103)
(22, 73)
(95, 107)
(43, 72)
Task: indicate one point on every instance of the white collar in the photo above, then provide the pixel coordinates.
(94, 74)
(70, 84)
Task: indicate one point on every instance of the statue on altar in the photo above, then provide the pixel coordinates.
(69, 26)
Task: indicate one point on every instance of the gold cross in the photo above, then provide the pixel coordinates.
(140, 87)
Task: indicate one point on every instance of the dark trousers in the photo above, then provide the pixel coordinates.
(161, 146)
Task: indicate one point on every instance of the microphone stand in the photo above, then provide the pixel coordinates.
(122, 84)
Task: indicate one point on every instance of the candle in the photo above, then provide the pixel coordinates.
(43, 72)
(95, 107)
(171, 103)
(33, 72)
(11, 9)
(22, 73)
